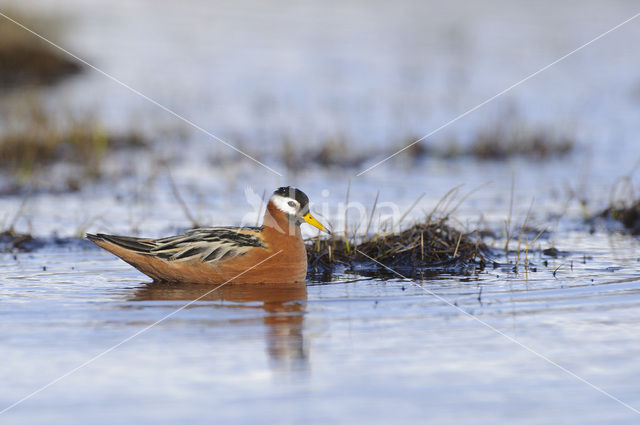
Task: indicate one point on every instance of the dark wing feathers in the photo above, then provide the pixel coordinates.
(214, 254)
(134, 244)
(211, 244)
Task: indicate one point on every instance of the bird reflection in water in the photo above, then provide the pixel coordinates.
(283, 304)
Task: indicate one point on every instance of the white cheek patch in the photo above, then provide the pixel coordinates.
(282, 204)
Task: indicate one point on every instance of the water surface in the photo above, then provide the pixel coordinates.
(355, 349)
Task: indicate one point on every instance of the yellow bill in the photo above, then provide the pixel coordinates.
(315, 223)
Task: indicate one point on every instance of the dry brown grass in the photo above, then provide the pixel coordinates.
(11, 241)
(35, 140)
(628, 215)
(506, 138)
(502, 143)
(624, 205)
(331, 153)
(432, 245)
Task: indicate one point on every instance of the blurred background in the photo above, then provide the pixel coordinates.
(318, 92)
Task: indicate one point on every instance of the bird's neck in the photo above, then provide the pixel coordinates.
(276, 220)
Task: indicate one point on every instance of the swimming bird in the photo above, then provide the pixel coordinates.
(271, 253)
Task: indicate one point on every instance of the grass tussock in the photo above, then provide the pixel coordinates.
(11, 241)
(26, 60)
(501, 144)
(15, 242)
(331, 153)
(628, 215)
(498, 143)
(624, 206)
(431, 245)
(509, 137)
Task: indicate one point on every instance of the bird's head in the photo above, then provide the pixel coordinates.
(295, 205)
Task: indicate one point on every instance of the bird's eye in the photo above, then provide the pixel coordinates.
(292, 204)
